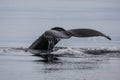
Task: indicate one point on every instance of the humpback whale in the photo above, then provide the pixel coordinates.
(51, 37)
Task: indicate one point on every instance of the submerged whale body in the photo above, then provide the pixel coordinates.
(51, 37)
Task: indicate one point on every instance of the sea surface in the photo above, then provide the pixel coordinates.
(95, 58)
(83, 63)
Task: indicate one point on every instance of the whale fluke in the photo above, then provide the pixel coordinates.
(86, 33)
(51, 37)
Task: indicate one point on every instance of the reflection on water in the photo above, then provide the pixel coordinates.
(69, 68)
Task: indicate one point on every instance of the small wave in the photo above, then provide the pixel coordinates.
(66, 52)
(107, 52)
(13, 51)
(70, 52)
(88, 52)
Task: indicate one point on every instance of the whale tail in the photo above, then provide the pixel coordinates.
(57, 33)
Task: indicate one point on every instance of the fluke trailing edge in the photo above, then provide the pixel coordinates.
(51, 37)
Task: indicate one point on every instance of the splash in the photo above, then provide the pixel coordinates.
(65, 52)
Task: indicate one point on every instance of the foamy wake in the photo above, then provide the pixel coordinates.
(66, 52)
(88, 52)
(13, 51)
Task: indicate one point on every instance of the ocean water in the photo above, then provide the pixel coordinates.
(23, 21)
(73, 64)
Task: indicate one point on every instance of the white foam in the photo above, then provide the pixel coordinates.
(67, 52)
(13, 51)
